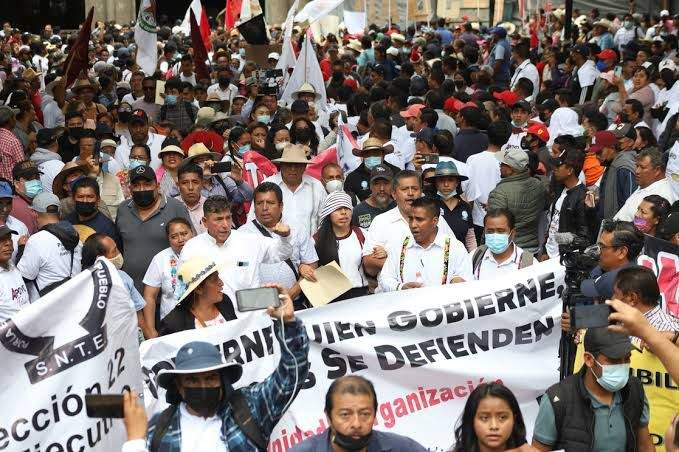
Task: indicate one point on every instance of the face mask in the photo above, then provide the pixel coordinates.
(642, 224)
(601, 66)
(515, 124)
(628, 24)
(33, 188)
(337, 75)
(124, 116)
(170, 100)
(543, 117)
(75, 132)
(204, 401)
(459, 84)
(243, 149)
(85, 208)
(264, 118)
(623, 117)
(372, 162)
(347, 442)
(135, 163)
(525, 143)
(303, 135)
(117, 261)
(613, 376)
(497, 243)
(280, 146)
(224, 81)
(144, 198)
(446, 197)
(334, 185)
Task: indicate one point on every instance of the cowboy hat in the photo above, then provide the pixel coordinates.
(199, 150)
(603, 23)
(30, 74)
(372, 144)
(510, 27)
(68, 169)
(82, 84)
(446, 169)
(293, 153)
(306, 88)
(355, 45)
(170, 149)
(192, 273)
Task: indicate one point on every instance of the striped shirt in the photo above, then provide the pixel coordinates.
(661, 320)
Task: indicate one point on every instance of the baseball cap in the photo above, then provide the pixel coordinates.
(273, 56)
(608, 76)
(499, 31)
(378, 68)
(611, 344)
(45, 200)
(25, 169)
(6, 189)
(548, 104)
(412, 111)
(539, 130)
(299, 107)
(602, 139)
(108, 143)
(139, 116)
(607, 54)
(624, 130)
(508, 97)
(667, 64)
(513, 157)
(45, 137)
(581, 49)
(380, 172)
(142, 172)
(5, 231)
(426, 135)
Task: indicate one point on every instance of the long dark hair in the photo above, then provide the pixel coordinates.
(326, 243)
(465, 436)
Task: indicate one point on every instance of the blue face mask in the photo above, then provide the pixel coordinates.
(170, 99)
(613, 376)
(33, 188)
(264, 118)
(497, 243)
(243, 149)
(372, 162)
(601, 66)
(135, 163)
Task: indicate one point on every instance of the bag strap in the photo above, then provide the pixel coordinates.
(359, 235)
(162, 424)
(189, 111)
(244, 419)
(526, 259)
(477, 256)
(266, 233)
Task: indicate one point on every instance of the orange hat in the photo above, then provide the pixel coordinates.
(509, 98)
(540, 131)
(412, 111)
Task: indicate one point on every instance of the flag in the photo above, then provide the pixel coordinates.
(251, 23)
(287, 59)
(346, 143)
(314, 168)
(201, 18)
(306, 70)
(77, 59)
(199, 52)
(316, 9)
(145, 37)
(232, 13)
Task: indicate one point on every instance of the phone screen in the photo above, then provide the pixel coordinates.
(255, 299)
(104, 405)
(590, 316)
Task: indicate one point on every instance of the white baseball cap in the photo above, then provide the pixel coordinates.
(667, 64)
(273, 56)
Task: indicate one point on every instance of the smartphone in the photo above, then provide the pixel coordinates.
(430, 159)
(255, 299)
(104, 405)
(221, 167)
(590, 316)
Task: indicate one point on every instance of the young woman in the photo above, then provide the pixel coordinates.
(171, 155)
(161, 276)
(650, 214)
(336, 240)
(645, 139)
(303, 132)
(491, 421)
(277, 138)
(260, 113)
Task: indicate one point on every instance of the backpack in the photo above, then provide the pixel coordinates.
(525, 260)
(241, 414)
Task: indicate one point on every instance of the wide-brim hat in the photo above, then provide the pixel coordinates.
(509, 26)
(68, 169)
(355, 45)
(200, 150)
(372, 144)
(81, 84)
(293, 153)
(603, 23)
(198, 357)
(30, 74)
(192, 272)
(306, 88)
(446, 169)
(172, 149)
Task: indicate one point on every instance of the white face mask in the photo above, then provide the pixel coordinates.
(281, 145)
(334, 185)
(117, 261)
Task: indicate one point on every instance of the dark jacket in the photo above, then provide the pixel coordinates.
(469, 141)
(358, 181)
(181, 318)
(572, 215)
(574, 416)
(379, 442)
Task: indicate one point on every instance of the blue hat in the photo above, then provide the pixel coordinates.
(426, 135)
(446, 169)
(197, 357)
(601, 287)
(499, 31)
(5, 189)
(581, 49)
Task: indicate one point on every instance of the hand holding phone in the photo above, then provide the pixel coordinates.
(104, 405)
(590, 316)
(220, 167)
(255, 299)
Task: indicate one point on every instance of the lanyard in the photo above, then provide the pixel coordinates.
(446, 258)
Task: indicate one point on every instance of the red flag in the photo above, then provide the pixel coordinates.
(199, 51)
(232, 13)
(319, 161)
(77, 60)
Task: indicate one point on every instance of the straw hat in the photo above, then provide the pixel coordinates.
(604, 23)
(81, 84)
(355, 45)
(172, 148)
(510, 27)
(372, 144)
(194, 271)
(68, 169)
(29, 74)
(199, 150)
(293, 153)
(306, 88)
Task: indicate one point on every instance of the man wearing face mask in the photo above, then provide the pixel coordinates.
(380, 199)
(206, 412)
(351, 409)
(27, 186)
(372, 153)
(86, 198)
(140, 222)
(139, 134)
(223, 89)
(176, 110)
(68, 142)
(627, 33)
(601, 406)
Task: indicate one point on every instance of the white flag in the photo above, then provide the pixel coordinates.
(145, 37)
(345, 146)
(316, 9)
(287, 59)
(197, 8)
(307, 70)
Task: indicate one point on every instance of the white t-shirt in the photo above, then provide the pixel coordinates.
(46, 261)
(49, 170)
(16, 225)
(551, 246)
(154, 142)
(484, 174)
(13, 292)
(349, 253)
(162, 272)
(199, 433)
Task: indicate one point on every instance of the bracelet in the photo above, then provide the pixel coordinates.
(675, 337)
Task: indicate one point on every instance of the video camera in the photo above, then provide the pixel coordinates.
(269, 80)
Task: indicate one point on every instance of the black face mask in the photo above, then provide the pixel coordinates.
(349, 443)
(525, 143)
(75, 132)
(124, 116)
(459, 84)
(337, 76)
(224, 81)
(303, 136)
(85, 208)
(203, 401)
(144, 198)
(624, 117)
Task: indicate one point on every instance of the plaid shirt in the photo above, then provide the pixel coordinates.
(266, 399)
(178, 115)
(11, 153)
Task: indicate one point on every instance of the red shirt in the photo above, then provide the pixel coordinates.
(11, 153)
(22, 211)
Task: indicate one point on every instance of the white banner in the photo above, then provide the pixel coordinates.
(424, 349)
(80, 338)
(145, 37)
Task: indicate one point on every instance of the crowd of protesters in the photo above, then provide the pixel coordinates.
(478, 151)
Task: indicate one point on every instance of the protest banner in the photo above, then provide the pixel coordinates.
(79, 339)
(663, 258)
(424, 349)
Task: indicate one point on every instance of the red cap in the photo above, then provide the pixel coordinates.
(607, 54)
(509, 98)
(540, 131)
(454, 105)
(351, 83)
(602, 139)
(411, 111)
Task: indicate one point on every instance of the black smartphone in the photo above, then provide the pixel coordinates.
(104, 405)
(430, 159)
(590, 316)
(255, 299)
(221, 167)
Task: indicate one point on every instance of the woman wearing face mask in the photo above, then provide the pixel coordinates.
(461, 84)
(645, 139)
(651, 213)
(260, 113)
(336, 240)
(100, 245)
(277, 138)
(123, 115)
(258, 132)
(303, 132)
(171, 155)
(456, 212)
(161, 276)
